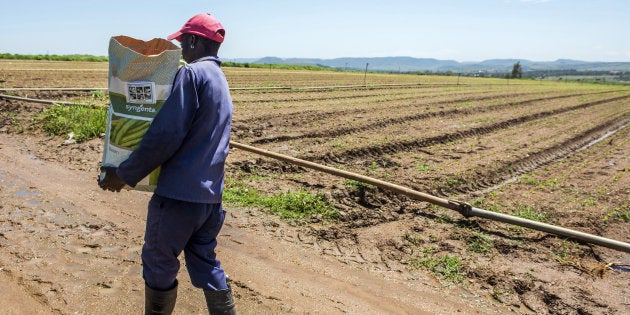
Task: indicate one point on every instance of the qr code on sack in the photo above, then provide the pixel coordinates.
(141, 92)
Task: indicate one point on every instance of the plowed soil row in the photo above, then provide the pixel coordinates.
(381, 119)
(288, 112)
(409, 145)
(361, 93)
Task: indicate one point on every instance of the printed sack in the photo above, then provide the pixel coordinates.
(141, 75)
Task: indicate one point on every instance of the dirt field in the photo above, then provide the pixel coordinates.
(554, 152)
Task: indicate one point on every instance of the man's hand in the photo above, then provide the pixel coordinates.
(111, 181)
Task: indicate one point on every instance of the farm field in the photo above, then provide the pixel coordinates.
(554, 152)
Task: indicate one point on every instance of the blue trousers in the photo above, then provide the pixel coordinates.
(173, 226)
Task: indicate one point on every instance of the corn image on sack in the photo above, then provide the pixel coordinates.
(141, 75)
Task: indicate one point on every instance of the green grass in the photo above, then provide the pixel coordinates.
(533, 181)
(528, 212)
(567, 252)
(620, 214)
(100, 95)
(85, 122)
(414, 240)
(423, 167)
(291, 205)
(487, 203)
(480, 243)
(356, 185)
(529, 180)
(589, 202)
(339, 144)
(448, 268)
(16, 122)
(300, 204)
(238, 193)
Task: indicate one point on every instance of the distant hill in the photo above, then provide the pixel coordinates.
(411, 64)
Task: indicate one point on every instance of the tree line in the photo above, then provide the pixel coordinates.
(75, 57)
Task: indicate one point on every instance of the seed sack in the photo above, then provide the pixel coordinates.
(141, 75)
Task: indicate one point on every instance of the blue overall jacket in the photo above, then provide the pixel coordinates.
(189, 137)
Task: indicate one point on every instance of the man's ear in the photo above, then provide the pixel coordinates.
(194, 40)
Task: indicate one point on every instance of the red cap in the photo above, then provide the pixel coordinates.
(204, 25)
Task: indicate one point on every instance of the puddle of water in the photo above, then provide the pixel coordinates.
(99, 234)
(111, 249)
(32, 202)
(22, 193)
(34, 262)
(602, 138)
(135, 248)
(621, 268)
(18, 214)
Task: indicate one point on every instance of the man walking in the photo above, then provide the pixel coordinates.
(189, 139)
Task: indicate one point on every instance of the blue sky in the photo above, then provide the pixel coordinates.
(462, 30)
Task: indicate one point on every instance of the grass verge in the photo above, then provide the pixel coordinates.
(84, 122)
(294, 206)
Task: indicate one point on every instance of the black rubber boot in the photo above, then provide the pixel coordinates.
(220, 302)
(159, 302)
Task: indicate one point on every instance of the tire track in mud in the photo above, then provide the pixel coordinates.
(317, 114)
(401, 146)
(485, 179)
(405, 119)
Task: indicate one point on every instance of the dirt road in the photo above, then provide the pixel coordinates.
(68, 247)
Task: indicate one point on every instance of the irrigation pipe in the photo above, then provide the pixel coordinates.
(33, 100)
(40, 101)
(463, 208)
